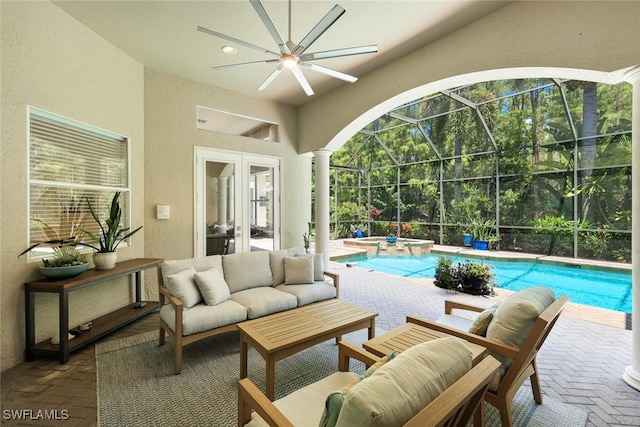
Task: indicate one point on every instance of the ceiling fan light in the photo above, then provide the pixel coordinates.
(229, 50)
(289, 61)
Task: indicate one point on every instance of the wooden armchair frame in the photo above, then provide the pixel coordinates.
(523, 363)
(454, 407)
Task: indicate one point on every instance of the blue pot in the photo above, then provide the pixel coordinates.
(391, 239)
(482, 245)
(467, 239)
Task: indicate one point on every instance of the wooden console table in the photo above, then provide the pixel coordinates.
(100, 326)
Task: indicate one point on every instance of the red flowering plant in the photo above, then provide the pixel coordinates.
(374, 212)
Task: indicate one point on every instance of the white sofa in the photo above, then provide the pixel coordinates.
(201, 297)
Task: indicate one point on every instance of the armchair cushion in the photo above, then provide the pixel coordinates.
(514, 318)
(183, 286)
(404, 386)
(298, 270)
(212, 286)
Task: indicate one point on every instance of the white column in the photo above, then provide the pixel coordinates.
(232, 201)
(222, 199)
(632, 373)
(322, 203)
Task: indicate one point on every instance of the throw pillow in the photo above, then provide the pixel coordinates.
(298, 270)
(212, 286)
(318, 266)
(481, 324)
(333, 403)
(183, 286)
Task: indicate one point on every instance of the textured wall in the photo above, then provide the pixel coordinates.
(171, 135)
(52, 62)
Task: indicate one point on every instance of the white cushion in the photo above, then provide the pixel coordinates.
(212, 286)
(264, 300)
(199, 264)
(276, 259)
(401, 388)
(204, 317)
(307, 294)
(298, 270)
(304, 406)
(247, 270)
(183, 286)
(318, 266)
(455, 322)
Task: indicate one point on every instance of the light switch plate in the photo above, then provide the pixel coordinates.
(162, 212)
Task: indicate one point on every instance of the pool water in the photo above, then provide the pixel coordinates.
(597, 288)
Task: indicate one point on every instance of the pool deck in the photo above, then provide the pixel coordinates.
(603, 316)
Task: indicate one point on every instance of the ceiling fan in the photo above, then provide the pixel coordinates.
(293, 56)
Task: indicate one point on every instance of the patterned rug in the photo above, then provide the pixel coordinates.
(136, 385)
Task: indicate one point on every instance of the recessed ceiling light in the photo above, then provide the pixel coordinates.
(229, 50)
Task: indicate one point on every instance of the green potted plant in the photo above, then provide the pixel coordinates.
(62, 239)
(483, 233)
(111, 235)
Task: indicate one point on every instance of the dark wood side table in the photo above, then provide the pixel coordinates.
(100, 326)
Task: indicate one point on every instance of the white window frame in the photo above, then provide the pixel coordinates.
(39, 253)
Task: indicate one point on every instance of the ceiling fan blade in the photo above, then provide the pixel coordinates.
(271, 27)
(235, 40)
(266, 61)
(322, 26)
(302, 80)
(329, 72)
(348, 51)
(275, 73)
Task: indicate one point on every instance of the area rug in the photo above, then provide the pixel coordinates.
(136, 385)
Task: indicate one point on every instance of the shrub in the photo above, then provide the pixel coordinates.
(469, 276)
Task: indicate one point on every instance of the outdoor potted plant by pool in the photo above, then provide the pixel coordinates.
(482, 234)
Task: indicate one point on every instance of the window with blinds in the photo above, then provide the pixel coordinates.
(70, 163)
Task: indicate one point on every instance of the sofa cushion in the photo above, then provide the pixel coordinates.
(304, 406)
(318, 266)
(183, 286)
(298, 270)
(212, 286)
(306, 294)
(405, 385)
(481, 324)
(247, 270)
(203, 317)
(199, 264)
(262, 301)
(276, 260)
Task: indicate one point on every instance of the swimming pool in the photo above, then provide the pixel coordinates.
(597, 288)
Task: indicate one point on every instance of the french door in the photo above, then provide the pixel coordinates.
(236, 194)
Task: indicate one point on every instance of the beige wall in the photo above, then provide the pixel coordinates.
(518, 40)
(171, 135)
(52, 62)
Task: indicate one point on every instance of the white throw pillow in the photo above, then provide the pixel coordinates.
(183, 286)
(318, 266)
(298, 270)
(212, 286)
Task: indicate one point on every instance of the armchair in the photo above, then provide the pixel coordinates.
(519, 363)
(454, 406)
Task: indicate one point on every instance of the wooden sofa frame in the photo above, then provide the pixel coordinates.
(523, 363)
(177, 337)
(454, 407)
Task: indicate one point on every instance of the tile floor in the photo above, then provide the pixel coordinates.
(581, 363)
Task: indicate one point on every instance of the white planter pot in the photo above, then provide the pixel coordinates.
(105, 260)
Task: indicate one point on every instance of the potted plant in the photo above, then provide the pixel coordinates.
(111, 235)
(482, 233)
(62, 239)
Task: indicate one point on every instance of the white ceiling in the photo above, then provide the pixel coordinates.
(162, 35)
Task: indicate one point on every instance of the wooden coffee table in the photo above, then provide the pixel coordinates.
(283, 334)
(410, 334)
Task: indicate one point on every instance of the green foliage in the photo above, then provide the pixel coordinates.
(112, 233)
(468, 276)
(65, 257)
